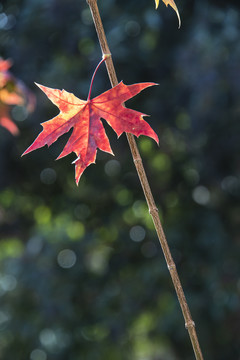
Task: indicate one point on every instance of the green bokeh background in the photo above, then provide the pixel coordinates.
(82, 275)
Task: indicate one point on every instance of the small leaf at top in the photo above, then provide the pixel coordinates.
(173, 5)
(84, 117)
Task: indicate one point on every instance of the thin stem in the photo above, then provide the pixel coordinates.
(153, 210)
(105, 56)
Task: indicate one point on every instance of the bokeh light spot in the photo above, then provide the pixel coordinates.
(145, 145)
(231, 184)
(123, 196)
(11, 248)
(183, 121)
(201, 195)
(86, 46)
(42, 215)
(3, 20)
(97, 259)
(4, 317)
(140, 209)
(66, 258)
(48, 176)
(8, 282)
(19, 113)
(82, 211)
(161, 162)
(171, 199)
(137, 233)
(86, 17)
(38, 354)
(192, 176)
(132, 28)
(75, 230)
(112, 168)
(48, 338)
(34, 245)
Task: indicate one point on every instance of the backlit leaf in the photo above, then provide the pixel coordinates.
(173, 5)
(84, 117)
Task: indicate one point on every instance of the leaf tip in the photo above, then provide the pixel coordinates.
(28, 150)
(39, 85)
(179, 19)
(174, 6)
(155, 137)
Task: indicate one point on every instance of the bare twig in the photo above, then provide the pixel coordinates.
(153, 210)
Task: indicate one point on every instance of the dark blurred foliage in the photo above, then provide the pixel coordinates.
(82, 275)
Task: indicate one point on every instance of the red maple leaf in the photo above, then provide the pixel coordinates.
(84, 117)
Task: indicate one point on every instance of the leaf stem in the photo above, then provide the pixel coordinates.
(105, 56)
(153, 210)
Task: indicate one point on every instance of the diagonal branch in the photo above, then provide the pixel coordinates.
(153, 210)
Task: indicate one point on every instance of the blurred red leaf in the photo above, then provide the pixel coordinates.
(5, 64)
(12, 92)
(6, 121)
(84, 117)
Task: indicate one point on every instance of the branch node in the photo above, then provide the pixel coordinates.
(137, 160)
(106, 56)
(171, 267)
(153, 209)
(190, 324)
